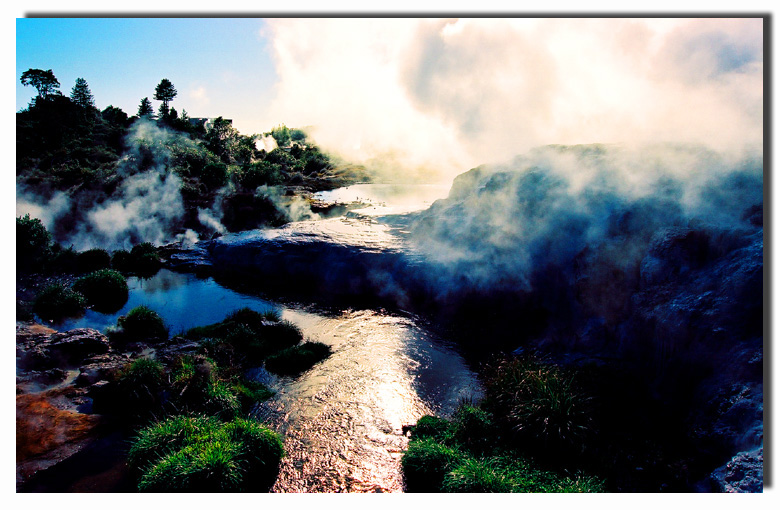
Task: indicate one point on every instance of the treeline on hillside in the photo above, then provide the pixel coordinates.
(66, 144)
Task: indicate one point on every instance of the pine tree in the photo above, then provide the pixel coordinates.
(81, 95)
(164, 92)
(145, 108)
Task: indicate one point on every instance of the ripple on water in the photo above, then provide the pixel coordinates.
(343, 419)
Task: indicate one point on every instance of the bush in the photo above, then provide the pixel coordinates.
(262, 173)
(63, 260)
(544, 404)
(144, 259)
(474, 475)
(220, 400)
(246, 335)
(121, 261)
(93, 260)
(142, 324)
(264, 450)
(425, 464)
(297, 359)
(214, 175)
(106, 290)
(198, 454)
(32, 243)
(137, 390)
(212, 466)
(57, 301)
(472, 427)
(251, 392)
(431, 427)
(164, 437)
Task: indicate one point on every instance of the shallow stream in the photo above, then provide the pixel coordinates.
(343, 419)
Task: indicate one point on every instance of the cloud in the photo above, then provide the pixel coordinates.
(444, 95)
(199, 96)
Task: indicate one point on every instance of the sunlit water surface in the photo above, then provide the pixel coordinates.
(342, 420)
(387, 198)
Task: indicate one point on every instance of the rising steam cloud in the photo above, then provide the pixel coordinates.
(431, 98)
(146, 207)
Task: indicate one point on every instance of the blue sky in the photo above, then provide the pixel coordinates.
(220, 67)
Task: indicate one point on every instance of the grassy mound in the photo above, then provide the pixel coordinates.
(106, 290)
(141, 324)
(202, 454)
(58, 301)
(470, 454)
(297, 359)
(246, 336)
(93, 260)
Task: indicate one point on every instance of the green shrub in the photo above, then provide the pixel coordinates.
(544, 404)
(63, 260)
(138, 390)
(476, 475)
(170, 435)
(198, 454)
(142, 324)
(213, 466)
(214, 175)
(425, 464)
(261, 173)
(251, 392)
(106, 290)
(32, 243)
(144, 259)
(246, 335)
(263, 449)
(472, 427)
(121, 261)
(297, 359)
(220, 400)
(431, 427)
(93, 260)
(57, 301)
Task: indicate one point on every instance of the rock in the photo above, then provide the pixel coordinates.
(34, 380)
(98, 368)
(38, 350)
(48, 431)
(743, 473)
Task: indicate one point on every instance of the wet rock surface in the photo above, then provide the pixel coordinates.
(743, 473)
(56, 372)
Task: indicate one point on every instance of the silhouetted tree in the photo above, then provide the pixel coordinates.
(44, 81)
(145, 108)
(164, 92)
(81, 95)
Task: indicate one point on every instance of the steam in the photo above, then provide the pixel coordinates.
(429, 98)
(294, 208)
(506, 226)
(146, 207)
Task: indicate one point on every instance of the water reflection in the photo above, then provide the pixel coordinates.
(387, 198)
(182, 300)
(342, 420)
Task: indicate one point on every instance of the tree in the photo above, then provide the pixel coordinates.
(81, 95)
(165, 93)
(44, 81)
(145, 108)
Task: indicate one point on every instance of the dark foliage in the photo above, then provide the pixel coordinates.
(297, 359)
(93, 260)
(33, 243)
(141, 324)
(105, 290)
(58, 301)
